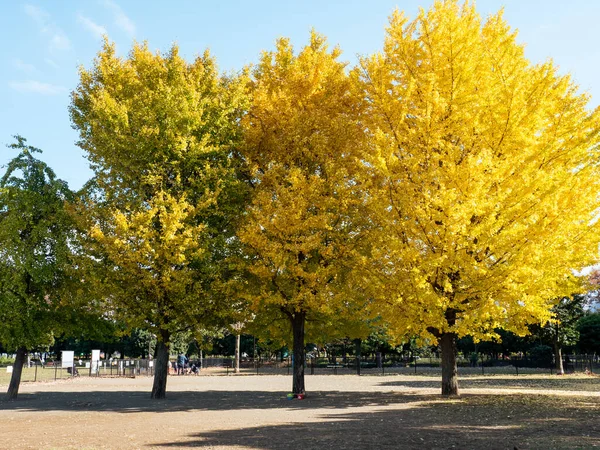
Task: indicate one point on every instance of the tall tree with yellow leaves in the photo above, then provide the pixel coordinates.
(160, 134)
(302, 145)
(488, 181)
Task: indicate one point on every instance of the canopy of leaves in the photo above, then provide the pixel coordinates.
(160, 133)
(487, 175)
(589, 333)
(302, 146)
(36, 237)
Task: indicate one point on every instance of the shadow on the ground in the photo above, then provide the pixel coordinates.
(391, 420)
(128, 402)
(472, 422)
(491, 382)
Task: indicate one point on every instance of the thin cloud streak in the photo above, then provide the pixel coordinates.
(23, 66)
(60, 41)
(40, 16)
(121, 19)
(37, 87)
(57, 38)
(97, 30)
(51, 63)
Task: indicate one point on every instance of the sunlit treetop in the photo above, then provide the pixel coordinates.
(489, 171)
(303, 143)
(153, 121)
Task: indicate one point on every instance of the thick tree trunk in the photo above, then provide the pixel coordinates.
(15, 379)
(237, 353)
(297, 321)
(448, 345)
(161, 371)
(449, 370)
(558, 358)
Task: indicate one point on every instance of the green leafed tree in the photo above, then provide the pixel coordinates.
(562, 329)
(37, 237)
(589, 333)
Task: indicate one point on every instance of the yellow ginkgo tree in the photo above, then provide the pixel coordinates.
(161, 134)
(149, 257)
(303, 226)
(487, 179)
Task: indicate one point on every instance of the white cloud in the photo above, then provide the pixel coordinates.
(23, 66)
(60, 41)
(37, 87)
(51, 63)
(37, 14)
(57, 39)
(97, 30)
(120, 18)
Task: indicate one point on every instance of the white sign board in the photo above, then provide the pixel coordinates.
(95, 360)
(9, 369)
(67, 357)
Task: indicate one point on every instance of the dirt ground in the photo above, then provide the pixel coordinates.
(341, 412)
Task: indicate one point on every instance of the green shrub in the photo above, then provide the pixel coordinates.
(6, 361)
(589, 333)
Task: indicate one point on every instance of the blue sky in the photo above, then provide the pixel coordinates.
(43, 43)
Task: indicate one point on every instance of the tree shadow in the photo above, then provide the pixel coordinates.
(497, 381)
(359, 419)
(471, 422)
(130, 402)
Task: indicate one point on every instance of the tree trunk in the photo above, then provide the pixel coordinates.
(357, 347)
(161, 370)
(237, 353)
(297, 320)
(449, 370)
(558, 358)
(357, 350)
(15, 379)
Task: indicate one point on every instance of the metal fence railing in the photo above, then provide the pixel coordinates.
(514, 365)
(55, 370)
(350, 365)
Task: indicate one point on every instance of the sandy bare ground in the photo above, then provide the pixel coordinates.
(252, 412)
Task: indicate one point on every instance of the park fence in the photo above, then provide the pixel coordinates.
(516, 365)
(56, 370)
(349, 365)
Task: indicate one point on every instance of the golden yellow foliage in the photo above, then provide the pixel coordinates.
(150, 252)
(302, 144)
(488, 183)
(154, 121)
(160, 133)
